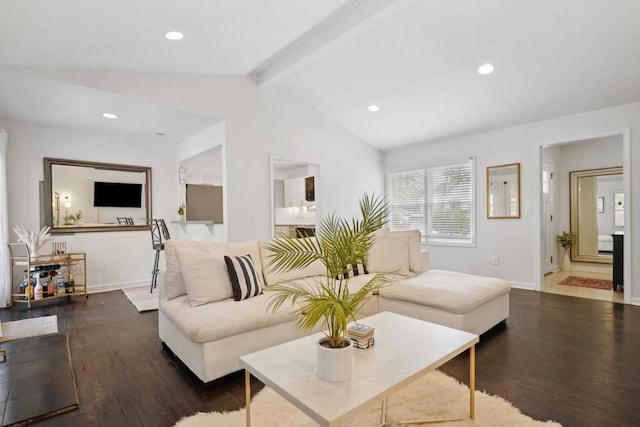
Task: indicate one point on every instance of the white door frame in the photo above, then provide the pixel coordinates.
(548, 239)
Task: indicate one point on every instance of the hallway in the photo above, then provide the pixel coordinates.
(551, 285)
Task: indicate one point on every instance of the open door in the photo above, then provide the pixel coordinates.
(549, 258)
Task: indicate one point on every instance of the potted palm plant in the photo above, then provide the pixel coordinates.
(338, 245)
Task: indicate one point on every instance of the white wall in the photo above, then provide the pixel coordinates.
(202, 156)
(256, 123)
(259, 122)
(516, 241)
(107, 266)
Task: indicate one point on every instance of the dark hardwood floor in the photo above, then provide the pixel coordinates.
(573, 360)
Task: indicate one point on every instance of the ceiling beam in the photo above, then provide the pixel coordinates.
(347, 22)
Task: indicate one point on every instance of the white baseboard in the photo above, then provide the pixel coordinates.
(635, 301)
(106, 287)
(523, 285)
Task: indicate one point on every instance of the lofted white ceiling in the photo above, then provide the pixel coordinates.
(416, 60)
(221, 36)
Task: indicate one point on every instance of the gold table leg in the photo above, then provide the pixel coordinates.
(383, 414)
(472, 382)
(247, 396)
(472, 395)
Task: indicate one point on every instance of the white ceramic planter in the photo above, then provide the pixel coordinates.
(566, 261)
(334, 364)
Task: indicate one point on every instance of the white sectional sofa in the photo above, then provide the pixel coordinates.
(208, 330)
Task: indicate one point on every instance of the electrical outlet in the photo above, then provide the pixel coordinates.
(495, 260)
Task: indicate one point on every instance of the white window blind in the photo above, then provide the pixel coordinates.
(438, 201)
(407, 200)
(449, 203)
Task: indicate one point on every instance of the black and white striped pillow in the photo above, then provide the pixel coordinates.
(245, 281)
(356, 270)
(352, 270)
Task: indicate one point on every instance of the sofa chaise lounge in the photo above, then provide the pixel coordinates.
(208, 330)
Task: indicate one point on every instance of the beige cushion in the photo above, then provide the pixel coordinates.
(205, 275)
(220, 319)
(415, 247)
(173, 276)
(272, 277)
(447, 290)
(389, 254)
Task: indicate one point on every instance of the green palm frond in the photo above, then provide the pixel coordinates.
(288, 253)
(338, 244)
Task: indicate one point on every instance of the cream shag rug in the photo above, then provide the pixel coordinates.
(27, 328)
(434, 396)
(142, 299)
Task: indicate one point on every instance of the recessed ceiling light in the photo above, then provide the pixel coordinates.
(373, 108)
(173, 35)
(110, 115)
(485, 69)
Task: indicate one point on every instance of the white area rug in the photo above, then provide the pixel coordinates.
(434, 396)
(27, 328)
(142, 299)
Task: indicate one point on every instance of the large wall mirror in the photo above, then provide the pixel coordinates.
(88, 196)
(503, 191)
(597, 211)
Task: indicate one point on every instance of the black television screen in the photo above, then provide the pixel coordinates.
(116, 194)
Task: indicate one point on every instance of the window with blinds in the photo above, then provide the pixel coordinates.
(438, 201)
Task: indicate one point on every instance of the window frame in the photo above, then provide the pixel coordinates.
(440, 241)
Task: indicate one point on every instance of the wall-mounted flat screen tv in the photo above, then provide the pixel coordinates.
(117, 194)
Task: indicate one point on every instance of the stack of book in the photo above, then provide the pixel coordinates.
(361, 335)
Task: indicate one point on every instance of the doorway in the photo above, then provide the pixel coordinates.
(557, 162)
(295, 199)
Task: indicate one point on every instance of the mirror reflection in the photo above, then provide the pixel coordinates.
(597, 212)
(503, 191)
(295, 198)
(90, 196)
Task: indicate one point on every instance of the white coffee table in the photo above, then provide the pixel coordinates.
(405, 349)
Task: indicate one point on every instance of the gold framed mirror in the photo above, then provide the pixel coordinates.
(503, 191)
(597, 207)
(82, 196)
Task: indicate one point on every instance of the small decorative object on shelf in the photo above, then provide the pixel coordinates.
(33, 240)
(70, 287)
(361, 335)
(181, 214)
(39, 290)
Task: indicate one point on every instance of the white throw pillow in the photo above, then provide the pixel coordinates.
(415, 247)
(205, 275)
(389, 254)
(173, 277)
